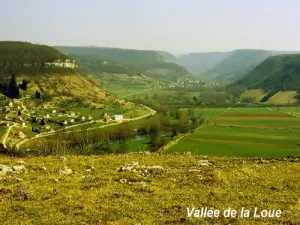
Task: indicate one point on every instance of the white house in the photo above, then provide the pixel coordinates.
(83, 118)
(117, 117)
(72, 121)
(11, 104)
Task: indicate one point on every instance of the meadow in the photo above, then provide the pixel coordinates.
(96, 191)
(250, 132)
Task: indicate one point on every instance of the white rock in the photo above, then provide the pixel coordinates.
(65, 171)
(5, 169)
(203, 162)
(19, 168)
(123, 181)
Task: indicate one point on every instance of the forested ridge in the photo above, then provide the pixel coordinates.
(25, 57)
(280, 72)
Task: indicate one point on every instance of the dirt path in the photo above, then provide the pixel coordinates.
(150, 89)
(6, 135)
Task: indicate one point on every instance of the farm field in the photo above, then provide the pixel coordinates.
(248, 132)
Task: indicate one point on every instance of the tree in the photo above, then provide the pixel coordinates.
(43, 122)
(19, 113)
(24, 84)
(13, 89)
(38, 94)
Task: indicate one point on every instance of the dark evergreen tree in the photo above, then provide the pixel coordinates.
(24, 84)
(13, 89)
(19, 113)
(38, 94)
(43, 123)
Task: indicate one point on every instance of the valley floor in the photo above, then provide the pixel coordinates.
(144, 188)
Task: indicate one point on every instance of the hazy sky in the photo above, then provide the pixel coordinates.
(177, 26)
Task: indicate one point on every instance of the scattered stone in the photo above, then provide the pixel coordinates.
(64, 159)
(65, 171)
(90, 169)
(21, 162)
(188, 153)
(18, 179)
(142, 170)
(43, 168)
(203, 162)
(19, 168)
(56, 180)
(123, 181)
(5, 169)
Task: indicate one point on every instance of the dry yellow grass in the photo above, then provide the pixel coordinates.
(92, 190)
(283, 97)
(70, 86)
(256, 94)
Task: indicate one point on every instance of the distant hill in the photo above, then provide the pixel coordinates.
(30, 58)
(168, 57)
(120, 55)
(238, 64)
(200, 63)
(125, 61)
(281, 72)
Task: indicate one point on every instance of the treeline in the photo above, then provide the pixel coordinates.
(159, 128)
(207, 98)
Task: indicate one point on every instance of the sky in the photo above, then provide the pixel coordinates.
(177, 26)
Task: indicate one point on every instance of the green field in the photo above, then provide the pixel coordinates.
(245, 132)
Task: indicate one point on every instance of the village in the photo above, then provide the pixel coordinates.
(21, 122)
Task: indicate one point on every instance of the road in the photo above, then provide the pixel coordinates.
(18, 145)
(150, 89)
(6, 135)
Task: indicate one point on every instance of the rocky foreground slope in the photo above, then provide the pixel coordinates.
(146, 189)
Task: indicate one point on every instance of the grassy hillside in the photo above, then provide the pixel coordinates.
(56, 83)
(68, 87)
(253, 95)
(238, 64)
(26, 57)
(125, 61)
(200, 63)
(158, 189)
(283, 97)
(280, 72)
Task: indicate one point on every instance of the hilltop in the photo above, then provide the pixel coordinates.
(237, 64)
(145, 188)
